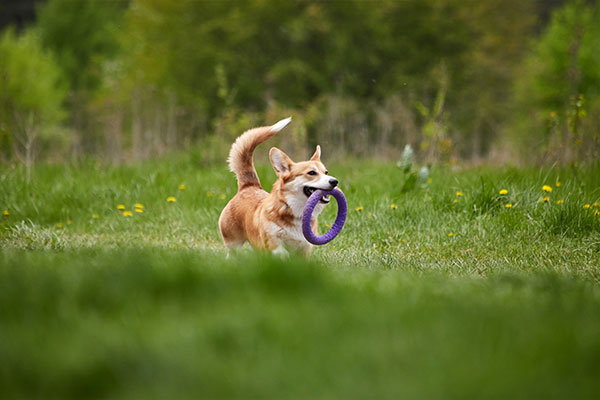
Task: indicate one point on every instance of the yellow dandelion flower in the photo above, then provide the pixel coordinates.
(121, 207)
(171, 199)
(359, 208)
(545, 199)
(69, 222)
(559, 201)
(59, 225)
(181, 187)
(5, 213)
(596, 204)
(586, 206)
(503, 191)
(547, 188)
(429, 180)
(557, 184)
(459, 194)
(327, 226)
(222, 196)
(552, 114)
(508, 205)
(127, 213)
(393, 206)
(403, 241)
(455, 201)
(139, 210)
(596, 212)
(95, 216)
(138, 205)
(451, 234)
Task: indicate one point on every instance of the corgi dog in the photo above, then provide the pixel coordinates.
(272, 221)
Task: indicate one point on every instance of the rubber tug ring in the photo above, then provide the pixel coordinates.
(337, 226)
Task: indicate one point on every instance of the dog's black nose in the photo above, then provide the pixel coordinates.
(333, 182)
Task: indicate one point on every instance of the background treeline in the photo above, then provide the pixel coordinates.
(129, 80)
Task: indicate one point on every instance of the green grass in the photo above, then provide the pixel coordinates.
(444, 296)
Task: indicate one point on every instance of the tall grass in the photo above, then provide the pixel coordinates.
(150, 324)
(424, 294)
(430, 226)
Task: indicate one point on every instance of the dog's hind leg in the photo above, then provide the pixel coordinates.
(233, 237)
(233, 246)
(232, 241)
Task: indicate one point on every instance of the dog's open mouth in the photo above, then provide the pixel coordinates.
(309, 190)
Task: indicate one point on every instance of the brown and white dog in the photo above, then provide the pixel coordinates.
(272, 221)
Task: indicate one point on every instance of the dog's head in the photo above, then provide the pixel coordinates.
(299, 180)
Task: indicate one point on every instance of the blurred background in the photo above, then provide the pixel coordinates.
(515, 81)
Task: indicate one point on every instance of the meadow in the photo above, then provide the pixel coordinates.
(470, 283)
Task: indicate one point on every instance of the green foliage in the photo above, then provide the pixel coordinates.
(575, 114)
(480, 97)
(31, 95)
(149, 76)
(82, 35)
(338, 61)
(295, 52)
(560, 74)
(411, 177)
(436, 144)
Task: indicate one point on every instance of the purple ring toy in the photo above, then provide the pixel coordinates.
(309, 207)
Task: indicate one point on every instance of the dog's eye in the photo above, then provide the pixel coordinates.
(326, 172)
(312, 173)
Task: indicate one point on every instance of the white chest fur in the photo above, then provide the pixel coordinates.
(297, 202)
(291, 236)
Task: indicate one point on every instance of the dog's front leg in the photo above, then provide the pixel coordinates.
(281, 251)
(306, 251)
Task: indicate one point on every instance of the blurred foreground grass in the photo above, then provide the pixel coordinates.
(159, 324)
(440, 291)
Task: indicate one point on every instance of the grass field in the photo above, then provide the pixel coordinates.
(438, 291)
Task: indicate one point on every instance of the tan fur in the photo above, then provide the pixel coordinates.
(270, 221)
(240, 155)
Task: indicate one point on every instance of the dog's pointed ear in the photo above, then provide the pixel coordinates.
(317, 155)
(281, 162)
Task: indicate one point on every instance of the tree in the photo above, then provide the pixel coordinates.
(481, 93)
(82, 35)
(31, 96)
(560, 80)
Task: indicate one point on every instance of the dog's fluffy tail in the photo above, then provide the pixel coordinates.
(240, 155)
